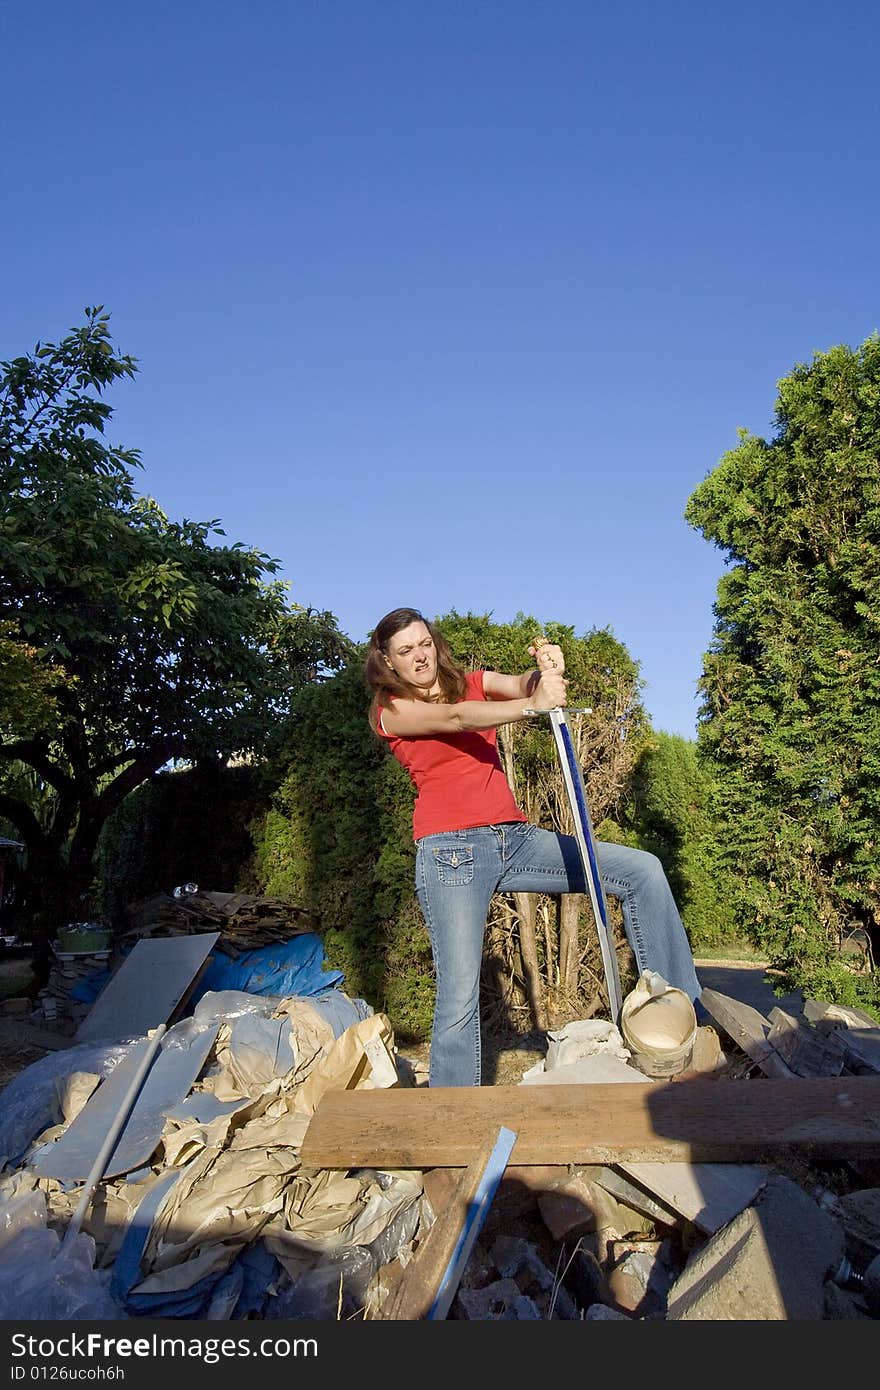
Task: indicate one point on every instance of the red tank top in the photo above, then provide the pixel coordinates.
(458, 778)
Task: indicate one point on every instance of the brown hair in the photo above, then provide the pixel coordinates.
(386, 684)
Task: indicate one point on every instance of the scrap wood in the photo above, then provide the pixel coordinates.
(859, 1213)
(243, 921)
(807, 1051)
(826, 1016)
(431, 1279)
(708, 1194)
(862, 1049)
(748, 1028)
(856, 1031)
(519, 1187)
(711, 1121)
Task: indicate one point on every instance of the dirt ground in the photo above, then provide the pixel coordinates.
(15, 1054)
(14, 1057)
(505, 1057)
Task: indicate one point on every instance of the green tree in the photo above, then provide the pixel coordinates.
(790, 719)
(155, 642)
(28, 702)
(669, 809)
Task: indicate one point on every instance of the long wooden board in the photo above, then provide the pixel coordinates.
(696, 1121)
(748, 1028)
(431, 1278)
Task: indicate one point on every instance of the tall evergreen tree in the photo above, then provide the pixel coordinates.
(669, 813)
(790, 720)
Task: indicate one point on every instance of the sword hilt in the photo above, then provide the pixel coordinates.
(539, 640)
(559, 709)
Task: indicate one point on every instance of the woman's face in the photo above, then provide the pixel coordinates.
(412, 654)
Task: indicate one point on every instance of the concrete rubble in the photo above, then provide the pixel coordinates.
(221, 1220)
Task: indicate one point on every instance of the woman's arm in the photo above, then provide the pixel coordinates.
(498, 686)
(415, 718)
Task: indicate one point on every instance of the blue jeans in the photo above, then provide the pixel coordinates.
(457, 872)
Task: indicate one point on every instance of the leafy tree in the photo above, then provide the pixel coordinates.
(27, 685)
(152, 641)
(185, 824)
(790, 720)
(669, 809)
(338, 840)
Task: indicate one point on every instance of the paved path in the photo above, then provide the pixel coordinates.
(746, 981)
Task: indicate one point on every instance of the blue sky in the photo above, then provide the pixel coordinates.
(449, 304)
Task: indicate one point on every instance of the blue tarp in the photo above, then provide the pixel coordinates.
(89, 987)
(282, 968)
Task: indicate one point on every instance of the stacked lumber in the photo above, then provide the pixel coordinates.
(245, 921)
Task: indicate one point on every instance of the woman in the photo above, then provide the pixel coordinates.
(472, 839)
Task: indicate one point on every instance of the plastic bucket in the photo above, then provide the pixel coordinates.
(78, 937)
(659, 1026)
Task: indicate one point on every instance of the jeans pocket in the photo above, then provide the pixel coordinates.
(454, 864)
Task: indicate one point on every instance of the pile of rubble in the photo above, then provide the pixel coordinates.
(243, 921)
(794, 1234)
(207, 1207)
(65, 999)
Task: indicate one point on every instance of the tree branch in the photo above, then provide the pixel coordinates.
(35, 754)
(132, 776)
(22, 817)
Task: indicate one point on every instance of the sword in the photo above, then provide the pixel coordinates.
(586, 842)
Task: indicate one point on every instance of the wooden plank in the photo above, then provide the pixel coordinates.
(862, 1048)
(748, 1028)
(708, 1194)
(418, 1290)
(518, 1188)
(859, 1214)
(857, 1032)
(825, 1016)
(696, 1121)
(807, 1051)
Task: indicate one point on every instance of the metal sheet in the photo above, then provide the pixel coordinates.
(147, 987)
(181, 1057)
(127, 1266)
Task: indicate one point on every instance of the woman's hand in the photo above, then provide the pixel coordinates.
(548, 657)
(550, 692)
